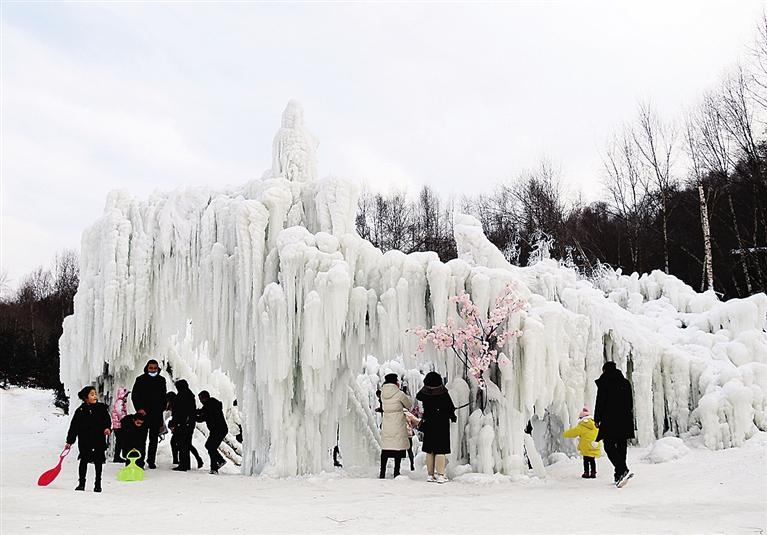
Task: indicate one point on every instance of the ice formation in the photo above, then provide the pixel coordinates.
(266, 293)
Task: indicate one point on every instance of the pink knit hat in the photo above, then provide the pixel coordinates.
(584, 413)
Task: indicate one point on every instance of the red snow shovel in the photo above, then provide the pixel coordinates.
(49, 475)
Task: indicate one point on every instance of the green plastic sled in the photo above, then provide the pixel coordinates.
(131, 472)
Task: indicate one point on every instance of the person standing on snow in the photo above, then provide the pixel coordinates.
(149, 395)
(438, 412)
(586, 433)
(234, 422)
(394, 439)
(614, 416)
(212, 413)
(183, 411)
(119, 411)
(90, 427)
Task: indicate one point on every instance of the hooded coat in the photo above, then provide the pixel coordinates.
(394, 425)
(438, 412)
(183, 408)
(87, 427)
(614, 409)
(149, 394)
(586, 432)
(120, 407)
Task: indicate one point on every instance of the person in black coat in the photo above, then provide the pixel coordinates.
(438, 412)
(212, 413)
(175, 440)
(91, 425)
(183, 411)
(148, 395)
(133, 431)
(614, 416)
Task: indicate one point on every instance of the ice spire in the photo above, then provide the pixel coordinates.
(294, 155)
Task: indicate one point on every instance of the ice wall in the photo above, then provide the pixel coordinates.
(266, 293)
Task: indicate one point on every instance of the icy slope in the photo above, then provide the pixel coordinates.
(266, 293)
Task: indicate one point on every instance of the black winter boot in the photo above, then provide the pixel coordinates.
(81, 486)
(97, 486)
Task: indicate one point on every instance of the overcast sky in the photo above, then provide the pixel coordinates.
(139, 96)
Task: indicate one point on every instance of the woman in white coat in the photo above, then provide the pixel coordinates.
(394, 438)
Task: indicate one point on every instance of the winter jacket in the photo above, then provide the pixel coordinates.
(149, 394)
(133, 437)
(614, 409)
(183, 409)
(394, 425)
(586, 432)
(438, 412)
(87, 427)
(212, 413)
(120, 407)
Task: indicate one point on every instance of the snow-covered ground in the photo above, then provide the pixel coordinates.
(701, 491)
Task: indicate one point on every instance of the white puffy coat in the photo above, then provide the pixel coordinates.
(394, 425)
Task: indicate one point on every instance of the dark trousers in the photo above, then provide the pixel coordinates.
(397, 455)
(589, 465)
(616, 452)
(212, 444)
(183, 435)
(410, 452)
(118, 445)
(154, 433)
(175, 448)
(83, 470)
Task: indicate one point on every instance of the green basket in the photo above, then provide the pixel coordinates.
(132, 472)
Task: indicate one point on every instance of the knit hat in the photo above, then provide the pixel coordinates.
(390, 378)
(584, 413)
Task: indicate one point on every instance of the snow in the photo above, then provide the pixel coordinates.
(265, 293)
(704, 492)
(667, 449)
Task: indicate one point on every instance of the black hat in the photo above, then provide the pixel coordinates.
(609, 365)
(433, 379)
(390, 378)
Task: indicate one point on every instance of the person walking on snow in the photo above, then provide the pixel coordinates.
(149, 395)
(212, 413)
(438, 412)
(586, 433)
(90, 426)
(394, 440)
(614, 416)
(183, 411)
(119, 411)
(177, 435)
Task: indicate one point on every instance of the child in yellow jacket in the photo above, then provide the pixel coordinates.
(586, 432)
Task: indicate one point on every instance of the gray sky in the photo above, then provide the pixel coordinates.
(138, 96)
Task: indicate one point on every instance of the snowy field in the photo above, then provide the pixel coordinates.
(702, 492)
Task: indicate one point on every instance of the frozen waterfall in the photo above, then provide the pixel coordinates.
(267, 294)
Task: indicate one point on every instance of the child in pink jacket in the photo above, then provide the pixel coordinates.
(119, 411)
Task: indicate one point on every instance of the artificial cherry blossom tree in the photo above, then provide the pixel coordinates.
(477, 343)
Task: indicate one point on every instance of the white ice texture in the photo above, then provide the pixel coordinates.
(266, 293)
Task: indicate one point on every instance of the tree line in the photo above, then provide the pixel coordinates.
(686, 195)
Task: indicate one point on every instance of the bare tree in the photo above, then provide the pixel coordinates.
(656, 141)
(694, 147)
(625, 182)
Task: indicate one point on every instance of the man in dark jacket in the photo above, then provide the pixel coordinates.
(183, 411)
(133, 431)
(212, 413)
(614, 416)
(148, 395)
